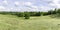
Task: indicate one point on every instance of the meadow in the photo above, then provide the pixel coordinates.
(11, 22)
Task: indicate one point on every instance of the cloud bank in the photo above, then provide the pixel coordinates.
(28, 5)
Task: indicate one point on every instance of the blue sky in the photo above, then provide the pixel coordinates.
(28, 5)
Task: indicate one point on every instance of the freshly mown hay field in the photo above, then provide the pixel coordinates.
(11, 22)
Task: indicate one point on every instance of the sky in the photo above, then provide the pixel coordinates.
(28, 5)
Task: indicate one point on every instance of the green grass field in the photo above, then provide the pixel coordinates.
(11, 22)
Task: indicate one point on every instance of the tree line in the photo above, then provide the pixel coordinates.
(28, 14)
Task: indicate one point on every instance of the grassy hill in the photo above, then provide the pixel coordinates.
(11, 22)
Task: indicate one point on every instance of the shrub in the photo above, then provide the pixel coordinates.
(27, 15)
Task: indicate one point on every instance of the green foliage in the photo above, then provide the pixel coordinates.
(35, 13)
(20, 14)
(55, 11)
(32, 13)
(27, 15)
(45, 13)
(50, 12)
(58, 11)
(38, 14)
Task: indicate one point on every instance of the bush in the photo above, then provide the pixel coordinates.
(27, 15)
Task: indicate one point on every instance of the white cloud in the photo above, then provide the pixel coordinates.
(30, 7)
(34, 7)
(17, 3)
(2, 7)
(11, 8)
(55, 3)
(5, 2)
(28, 3)
(44, 8)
